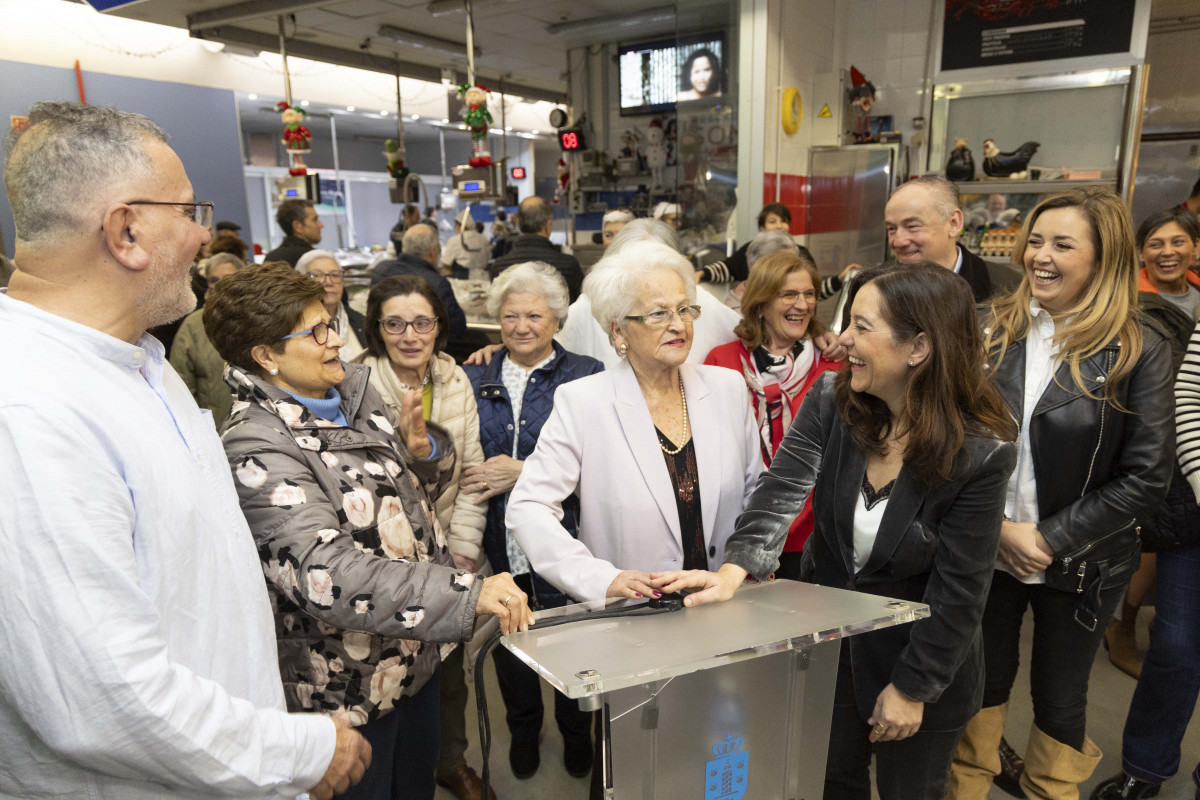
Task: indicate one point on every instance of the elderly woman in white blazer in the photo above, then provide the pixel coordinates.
(662, 453)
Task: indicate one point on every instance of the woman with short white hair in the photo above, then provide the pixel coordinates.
(612, 223)
(322, 266)
(515, 395)
(675, 442)
(582, 334)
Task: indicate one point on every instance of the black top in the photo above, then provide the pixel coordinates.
(535, 247)
(685, 479)
(289, 250)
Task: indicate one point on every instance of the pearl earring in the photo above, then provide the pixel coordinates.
(624, 348)
(274, 371)
(912, 363)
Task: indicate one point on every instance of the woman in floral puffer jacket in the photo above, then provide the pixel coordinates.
(336, 492)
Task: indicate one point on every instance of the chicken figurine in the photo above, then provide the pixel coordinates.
(1007, 165)
(961, 165)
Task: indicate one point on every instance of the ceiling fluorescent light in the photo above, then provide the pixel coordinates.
(423, 41)
(442, 8)
(650, 15)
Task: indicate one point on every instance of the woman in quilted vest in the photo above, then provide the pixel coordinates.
(336, 489)
(405, 332)
(515, 394)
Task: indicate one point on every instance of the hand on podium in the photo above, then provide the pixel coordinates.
(506, 602)
(712, 587)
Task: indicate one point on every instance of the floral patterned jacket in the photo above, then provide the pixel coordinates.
(359, 575)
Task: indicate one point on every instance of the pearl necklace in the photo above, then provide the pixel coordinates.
(682, 397)
(408, 388)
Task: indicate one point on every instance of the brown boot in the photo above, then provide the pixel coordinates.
(1054, 771)
(977, 759)
(1120, 640)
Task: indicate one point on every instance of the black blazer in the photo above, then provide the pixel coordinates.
(936, 545)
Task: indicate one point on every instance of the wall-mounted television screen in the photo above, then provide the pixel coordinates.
(655, 76)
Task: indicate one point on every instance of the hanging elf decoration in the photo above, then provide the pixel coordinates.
(477, 118)
(296, 137)
(394, 154)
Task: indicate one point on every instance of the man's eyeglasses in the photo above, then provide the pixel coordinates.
(320, 331)
(397, 326)
(662, 318)
(202, 213)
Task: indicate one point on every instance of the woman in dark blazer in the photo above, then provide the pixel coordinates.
(906, 455)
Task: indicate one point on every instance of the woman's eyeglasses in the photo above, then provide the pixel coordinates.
(397, 326)
(662, 318)
(320, 331)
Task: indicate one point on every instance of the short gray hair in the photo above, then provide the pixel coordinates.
(623, 217)
(766, 242)
(218, 260)
(536, 277)
(65, 162)
(418, 240)
(944, 193)
(616, 282)
(313, 255)
(645, 230)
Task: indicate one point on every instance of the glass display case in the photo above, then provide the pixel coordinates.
(1086, 127)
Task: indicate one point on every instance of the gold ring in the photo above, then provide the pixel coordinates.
(880, 729)
(484, 484)
(504, 602)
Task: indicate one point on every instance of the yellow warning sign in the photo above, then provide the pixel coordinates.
(825, 112)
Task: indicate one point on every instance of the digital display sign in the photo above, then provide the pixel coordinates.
(518, 173)
(571, 139)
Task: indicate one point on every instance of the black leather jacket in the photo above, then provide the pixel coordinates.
(1100, 472)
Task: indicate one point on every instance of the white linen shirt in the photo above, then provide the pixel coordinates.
(1021, 504)
(140, 650)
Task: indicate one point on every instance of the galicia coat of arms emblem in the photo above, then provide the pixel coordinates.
(726, 776)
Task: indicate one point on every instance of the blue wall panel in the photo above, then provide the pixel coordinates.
(201, 122)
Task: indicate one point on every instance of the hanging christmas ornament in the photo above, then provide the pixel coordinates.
(296, 137)
(478, 118)
(394, 153)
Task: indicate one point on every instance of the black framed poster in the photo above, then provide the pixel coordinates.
(985, 33)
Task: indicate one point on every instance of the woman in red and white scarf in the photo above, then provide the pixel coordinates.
(776, 354)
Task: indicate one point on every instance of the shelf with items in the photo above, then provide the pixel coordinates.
(1002, 186)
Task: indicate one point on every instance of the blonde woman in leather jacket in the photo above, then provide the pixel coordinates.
(1090, 384)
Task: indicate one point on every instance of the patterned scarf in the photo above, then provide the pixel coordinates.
(773, 395)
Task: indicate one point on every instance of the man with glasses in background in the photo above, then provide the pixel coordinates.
(142, 660)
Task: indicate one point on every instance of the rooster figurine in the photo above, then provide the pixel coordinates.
(961, 165)
(1007, 165)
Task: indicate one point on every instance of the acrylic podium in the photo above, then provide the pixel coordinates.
(717, 702)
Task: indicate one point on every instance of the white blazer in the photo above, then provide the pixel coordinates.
(600, 443)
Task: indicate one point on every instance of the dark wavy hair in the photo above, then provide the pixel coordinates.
(778, 209)
(685, 74)
(258, 304)
(950, 394)
(1180, 216)
(401, 286)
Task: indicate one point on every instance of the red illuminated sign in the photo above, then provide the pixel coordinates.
(571, 139)
(518, 173)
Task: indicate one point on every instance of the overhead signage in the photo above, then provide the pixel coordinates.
(985, 33)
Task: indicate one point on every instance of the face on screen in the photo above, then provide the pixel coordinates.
(702, 73)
